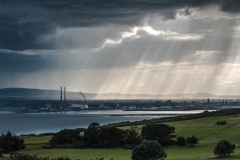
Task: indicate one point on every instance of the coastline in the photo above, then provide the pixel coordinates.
(36, 123)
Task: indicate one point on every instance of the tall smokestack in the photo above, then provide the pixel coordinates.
(65, 103)
(65, 94)
(60, 98)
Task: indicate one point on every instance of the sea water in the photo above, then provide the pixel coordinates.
(36, 123)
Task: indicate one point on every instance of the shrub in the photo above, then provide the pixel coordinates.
(132, 136)
(224, 148)
(221, 123)
(10, 143)
(181, 141)
(1, 153)
(148, 150)
(66, 136)
(160, 132)
(23, 156)
(192, 140)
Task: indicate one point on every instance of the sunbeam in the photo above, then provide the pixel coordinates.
(185, 47)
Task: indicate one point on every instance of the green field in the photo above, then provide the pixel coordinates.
(203, 128)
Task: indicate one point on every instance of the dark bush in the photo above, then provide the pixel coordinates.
(148, 150)
(10, 143)
(160, 132)
(78, 145)
(181, 141)
(66, 136)
(224, 148)
(110, 137)
(1, 153)
(221, 123)
(192, 141)
(22, 156)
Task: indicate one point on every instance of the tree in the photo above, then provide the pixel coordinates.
(224, 148)
(93, 125)
(181, 141)
(110, 137)
(1, 153)
(192, 140)
(96, 136)
(10, 143)
(90, 134)
(66, 136)
(160, 132)
(148, 150)
(132, 136)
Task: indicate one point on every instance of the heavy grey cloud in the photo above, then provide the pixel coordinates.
(81, 48)
(12, 61)
(23, 21)
(125, 46)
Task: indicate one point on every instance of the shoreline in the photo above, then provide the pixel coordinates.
(38, 123)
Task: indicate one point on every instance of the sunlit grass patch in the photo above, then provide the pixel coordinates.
(203, 128)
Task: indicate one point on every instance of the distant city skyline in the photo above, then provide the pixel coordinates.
(130, 46)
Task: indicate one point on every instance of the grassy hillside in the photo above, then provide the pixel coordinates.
(203, 128)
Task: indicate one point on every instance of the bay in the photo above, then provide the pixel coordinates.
(36, 123)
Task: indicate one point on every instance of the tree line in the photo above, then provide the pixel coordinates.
(150, 140)
(10, 143)
(96, 136)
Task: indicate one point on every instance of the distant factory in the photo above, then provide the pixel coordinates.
(78, 106)
(63, 103)
(65, 107)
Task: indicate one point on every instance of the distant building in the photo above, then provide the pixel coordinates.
(132, 108)
(165, 107)
(48, 105)
(78, 106)
(102, 106)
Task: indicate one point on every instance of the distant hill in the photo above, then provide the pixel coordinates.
(25, 93)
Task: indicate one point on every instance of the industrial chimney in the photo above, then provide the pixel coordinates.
(65, 103)
(60, 107)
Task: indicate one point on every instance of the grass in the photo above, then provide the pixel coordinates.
(37, 140)
(203, 128)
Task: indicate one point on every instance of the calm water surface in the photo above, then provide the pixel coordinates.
(53, 122)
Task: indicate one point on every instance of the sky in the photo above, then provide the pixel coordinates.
(121, 46)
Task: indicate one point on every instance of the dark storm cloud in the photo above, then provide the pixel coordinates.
(23, 21)
(15, 62)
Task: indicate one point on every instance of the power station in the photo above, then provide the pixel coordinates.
(81, 106)
(63, 103)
